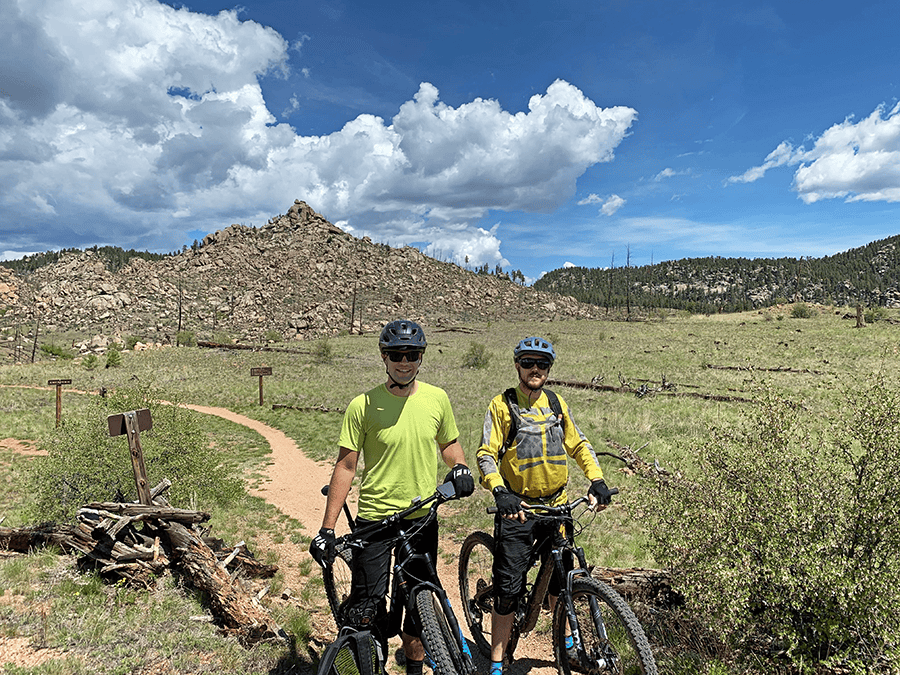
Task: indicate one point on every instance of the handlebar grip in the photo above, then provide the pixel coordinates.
(491, 509)
(325, 490)
(613, 491)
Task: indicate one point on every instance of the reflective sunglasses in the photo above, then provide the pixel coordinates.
(411, 357)
(528, 363)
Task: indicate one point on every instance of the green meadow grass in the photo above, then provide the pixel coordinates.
(718, 364)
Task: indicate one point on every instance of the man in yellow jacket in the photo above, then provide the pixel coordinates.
(527, 438)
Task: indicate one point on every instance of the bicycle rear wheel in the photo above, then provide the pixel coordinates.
(338, 577)
(614, 642)
(437, 635)
(476, 560)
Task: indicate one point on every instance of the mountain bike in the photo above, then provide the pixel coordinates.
(607, 635)
(423, 598)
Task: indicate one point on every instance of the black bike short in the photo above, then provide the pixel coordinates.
(372, 571)
(513, 541)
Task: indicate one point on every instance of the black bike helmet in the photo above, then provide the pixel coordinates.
(402, 334)
(534, 345)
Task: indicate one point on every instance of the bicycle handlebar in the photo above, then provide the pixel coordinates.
(561, 510)
(443, 493)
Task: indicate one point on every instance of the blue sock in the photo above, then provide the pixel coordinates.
(570, 642)
(496, 667)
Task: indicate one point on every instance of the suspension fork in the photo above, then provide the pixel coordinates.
(596, 614)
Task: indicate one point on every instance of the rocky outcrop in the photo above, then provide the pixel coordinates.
(297, 277)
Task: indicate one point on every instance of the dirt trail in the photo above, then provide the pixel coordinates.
(293, 485)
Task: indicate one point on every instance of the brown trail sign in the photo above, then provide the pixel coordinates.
(58, 384)
(260, 372)
(132, 423)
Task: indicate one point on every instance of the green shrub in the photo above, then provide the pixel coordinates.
(477, 356)
(322, 351)
(801, 310)
(131, 341)
(873, 314)
(789, 535)
(58, 351)
(84, 464)
(273, 336)
(113, 357)
(90, 362)
(186, 338)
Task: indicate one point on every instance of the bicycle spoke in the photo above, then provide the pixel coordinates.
(475, 564)
(613, 641)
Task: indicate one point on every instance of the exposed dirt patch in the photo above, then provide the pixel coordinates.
(23, 447)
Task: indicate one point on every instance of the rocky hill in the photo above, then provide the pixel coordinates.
(297, 277)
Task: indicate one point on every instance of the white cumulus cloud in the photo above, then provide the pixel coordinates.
(129, 122)
(858, 161)
(611, 205)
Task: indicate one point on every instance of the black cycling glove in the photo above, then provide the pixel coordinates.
(462, 480)
(600, 492)
(322, 547)
(508, 504)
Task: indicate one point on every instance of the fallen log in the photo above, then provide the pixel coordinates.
(138, 543)
(650, 586)
(238, 610)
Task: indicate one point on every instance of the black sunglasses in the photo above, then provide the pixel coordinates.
(528, 363)
(411, 357)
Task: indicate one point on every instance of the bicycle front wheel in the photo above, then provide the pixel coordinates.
(338, 577)
(437, 635)
(476, 560)
(614, 642)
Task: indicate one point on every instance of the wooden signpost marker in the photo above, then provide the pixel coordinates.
(59, 384)
(133, 423)
(259, 372)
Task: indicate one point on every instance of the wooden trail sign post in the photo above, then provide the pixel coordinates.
(133, 423)
(260, 372)
(59, 384)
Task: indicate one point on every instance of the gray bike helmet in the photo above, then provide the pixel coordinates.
(402, 334)
(534, 345)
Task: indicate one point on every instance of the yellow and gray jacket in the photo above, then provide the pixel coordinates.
(532, 465)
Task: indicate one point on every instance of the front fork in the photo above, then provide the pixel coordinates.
(402, 595)
(596, 614)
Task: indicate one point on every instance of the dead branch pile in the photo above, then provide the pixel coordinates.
(137, 543)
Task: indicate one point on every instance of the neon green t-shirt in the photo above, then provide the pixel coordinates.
(398, 439)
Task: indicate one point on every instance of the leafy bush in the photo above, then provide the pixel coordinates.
(801, 310)
(58, 351)
(477, 356)
(131, 341)
(273, 336)
(873, 314)
(322, 351)
(186, 338)
(90, 362)
(84, 464)
(788, 535)
(113, 357)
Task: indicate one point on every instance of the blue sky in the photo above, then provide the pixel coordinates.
(529, 135)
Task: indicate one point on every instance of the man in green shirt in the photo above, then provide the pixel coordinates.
(400, 428)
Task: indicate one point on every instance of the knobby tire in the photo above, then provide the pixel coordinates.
(337, 578)
(625, 652)
(437, 636)
(476, 559)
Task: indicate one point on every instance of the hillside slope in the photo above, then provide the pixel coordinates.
(869, 275)
(299, 276)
